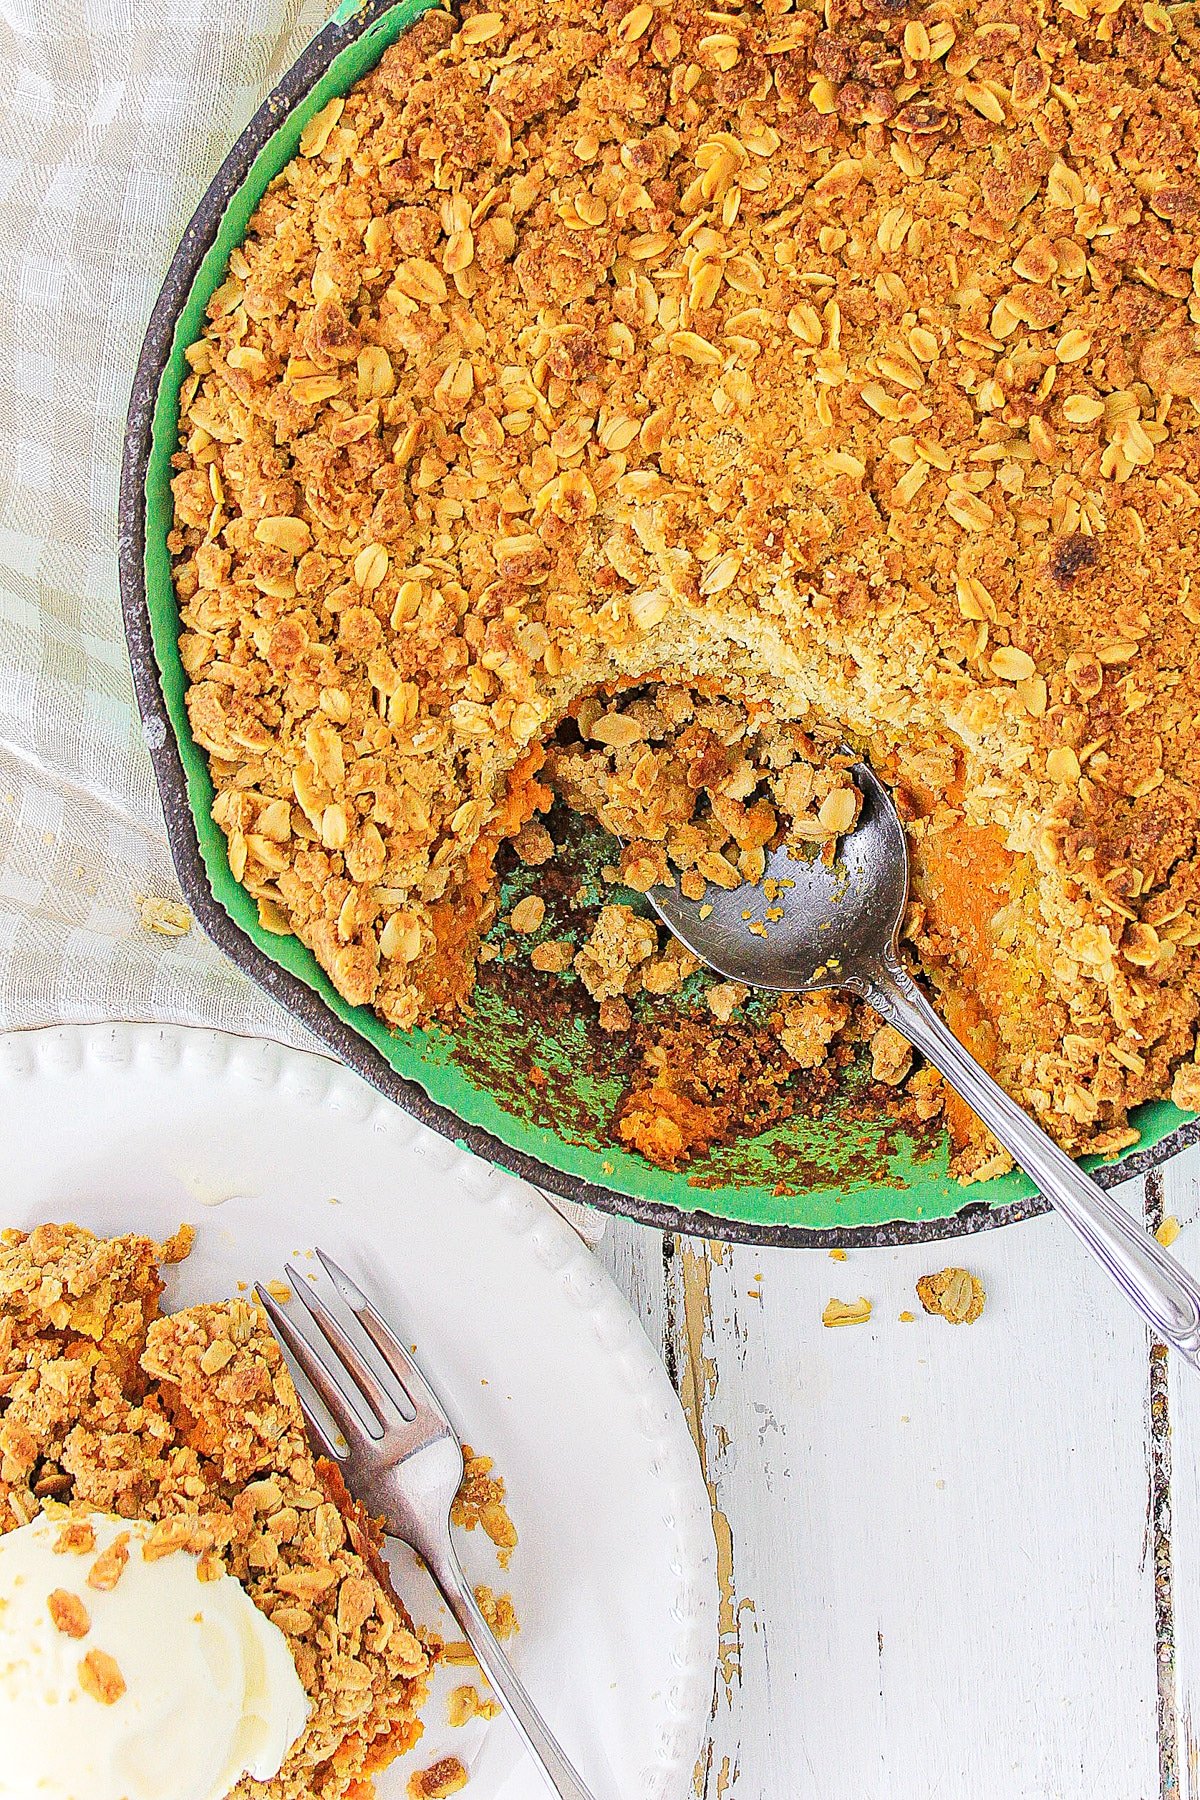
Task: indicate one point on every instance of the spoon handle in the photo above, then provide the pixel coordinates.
(1159, 1286)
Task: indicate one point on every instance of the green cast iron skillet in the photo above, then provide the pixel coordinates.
(526, 1086)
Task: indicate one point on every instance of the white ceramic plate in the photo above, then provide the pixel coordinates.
(539, 1359)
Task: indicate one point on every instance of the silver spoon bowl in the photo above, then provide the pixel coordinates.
(838, 926)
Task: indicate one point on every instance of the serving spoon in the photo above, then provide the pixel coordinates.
(839, 929)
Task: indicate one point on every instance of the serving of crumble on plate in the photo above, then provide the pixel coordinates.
(192, 1419)
(141, 1401)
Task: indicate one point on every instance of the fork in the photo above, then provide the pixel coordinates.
(408, 1476)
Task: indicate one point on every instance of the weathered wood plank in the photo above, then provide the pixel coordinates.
(1180, 1579)
(934, 1548)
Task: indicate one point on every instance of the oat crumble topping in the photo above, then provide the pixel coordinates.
(846, 1312)
(105, 1404)
(698, 791)
(77, 1538)
(447, 1776)
(499, 1612)
(847, 358)
(169, 918)
(68, 1613)
(466, 1703)
(109, 1566)
(100, 1677)
(952, 1294)
(480, 1501)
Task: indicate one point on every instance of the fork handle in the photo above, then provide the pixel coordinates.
(1159, 1287)
(443, 1564)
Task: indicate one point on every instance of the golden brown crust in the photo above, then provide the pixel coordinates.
(850, 360)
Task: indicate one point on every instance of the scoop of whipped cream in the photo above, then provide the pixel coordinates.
(141, 1683)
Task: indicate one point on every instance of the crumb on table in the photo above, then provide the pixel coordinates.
(847, 1312)
(169, 918)
(952, 1294)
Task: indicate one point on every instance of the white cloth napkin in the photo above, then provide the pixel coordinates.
(114, 115)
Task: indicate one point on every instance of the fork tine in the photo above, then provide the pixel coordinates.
(314, 1368)
(318, 1433)
(397, 1358)
(351, 1359)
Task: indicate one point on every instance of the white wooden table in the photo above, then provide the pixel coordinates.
(957, 1563)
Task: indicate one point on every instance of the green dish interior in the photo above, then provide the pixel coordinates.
(836, 1172)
